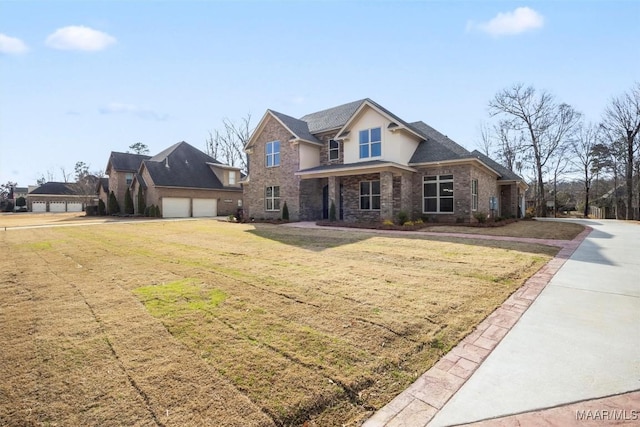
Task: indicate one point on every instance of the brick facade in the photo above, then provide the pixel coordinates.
(282, 175)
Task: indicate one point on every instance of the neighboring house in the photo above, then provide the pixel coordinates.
(121, 169)
(371, 164)
(59, 197)
(185, 182)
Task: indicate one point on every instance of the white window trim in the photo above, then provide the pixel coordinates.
(272, 198)
(370, 195)
(474, 195)
(336, 150)
(272, 155)
(369, 143)
(438, 197)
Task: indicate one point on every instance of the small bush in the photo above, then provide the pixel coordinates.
(285, 212)
(113, 207)
(409, 224)
(158, 212)
(402, 217)
(387, 222)
(418, 221)
(231, 218)
(332, 212)
(481, 217)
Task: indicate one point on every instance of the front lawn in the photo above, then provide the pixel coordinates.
(211, 323)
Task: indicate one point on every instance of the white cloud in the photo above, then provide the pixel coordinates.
(509, 23)
(79, 38)
(119, 108)
(12, 45)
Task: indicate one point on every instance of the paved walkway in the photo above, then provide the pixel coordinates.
(568, 357)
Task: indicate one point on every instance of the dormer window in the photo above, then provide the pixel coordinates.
(232, 177)
(273, 154)
(370, 143)
(128, 178)
(334, 150)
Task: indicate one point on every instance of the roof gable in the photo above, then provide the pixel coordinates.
(182, 165)
(331, 118)
(125, 162)
(436, 147)
(505, 173)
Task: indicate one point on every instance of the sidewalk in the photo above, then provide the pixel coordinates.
(543, 360)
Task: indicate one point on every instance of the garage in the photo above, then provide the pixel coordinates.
(74, 207)
(205, 207)
(39, 207)
(176, 207)
(57, 206)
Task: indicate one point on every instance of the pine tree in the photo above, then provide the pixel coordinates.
(128, 202)
(142, 205)
(285, 212)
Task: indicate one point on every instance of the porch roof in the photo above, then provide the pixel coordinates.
(372, 166)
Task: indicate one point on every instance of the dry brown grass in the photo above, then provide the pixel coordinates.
(530, 229)
(209, 323)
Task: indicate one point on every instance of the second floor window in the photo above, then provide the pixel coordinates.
(129, 178)
(232, 177)
(370, 143)
(273, 154)
(334, 149)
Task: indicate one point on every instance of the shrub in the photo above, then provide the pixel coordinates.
(147, 211)
(402, 217)
(102, 209)
(142, 205)
(158, 212)
(21, 201)
(285, 212)
(128, 202)
(112, 205)
(409, 224)
(481, 217)
(387, 222)
(418, 221)
(332, 212)
(231, 218)
(529, 213)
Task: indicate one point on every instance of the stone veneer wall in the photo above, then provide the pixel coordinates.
(311, 199)
(462, 176)
(283, 176)
(351, 194)
(324, 150)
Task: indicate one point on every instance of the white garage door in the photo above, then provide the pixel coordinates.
(175, 207)
(57, 207)
(74, 207)
(39, 207)
(205, 207)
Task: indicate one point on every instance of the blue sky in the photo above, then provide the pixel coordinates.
(79, 79)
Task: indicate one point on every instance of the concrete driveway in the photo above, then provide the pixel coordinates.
(578, 341)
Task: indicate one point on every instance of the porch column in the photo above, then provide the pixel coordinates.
(333, 195)
(406, 193)
(386, 195)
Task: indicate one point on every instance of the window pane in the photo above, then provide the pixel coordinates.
(375, 134)
(446, 189)
(375, 202)
(276, 159)
(364, 188)
(333, 144)
(276, 204)
(364, 202)
(269, 192)
(364, 151)
(430, 190)
(269, 204)
(276, 191)
(446, 205)
(375, 187)
(269, 148)
(430, 205)
(364, 137)
(430, 178)
(376, 149)
(445, 177)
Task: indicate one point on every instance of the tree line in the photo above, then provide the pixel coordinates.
(538, 137)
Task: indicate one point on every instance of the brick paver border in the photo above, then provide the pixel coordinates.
(419, 403)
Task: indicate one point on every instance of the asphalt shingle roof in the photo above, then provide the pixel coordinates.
(331, 118)
(57, 188)
(436, 147)
(299, 127)
(183, 165)
(126, 161)
(505, 172)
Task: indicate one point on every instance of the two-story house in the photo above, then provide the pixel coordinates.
(371, 165)
(121, 168)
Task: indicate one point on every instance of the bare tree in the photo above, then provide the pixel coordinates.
(65, 175)
(227, 145)
(544, 123)
(558, 166)
(621, 120)
(584, 158)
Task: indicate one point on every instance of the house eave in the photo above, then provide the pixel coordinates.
(354, 170)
